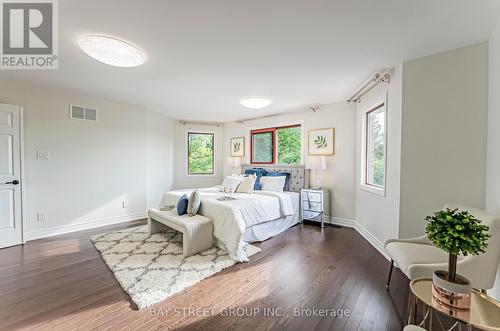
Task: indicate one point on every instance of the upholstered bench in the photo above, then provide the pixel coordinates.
(197, 231)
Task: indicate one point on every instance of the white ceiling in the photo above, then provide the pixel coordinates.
(203, 56)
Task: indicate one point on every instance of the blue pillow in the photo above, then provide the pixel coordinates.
(285, 174)
(259, 172)
(182, 205)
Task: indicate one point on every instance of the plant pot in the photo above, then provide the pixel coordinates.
(452, 294)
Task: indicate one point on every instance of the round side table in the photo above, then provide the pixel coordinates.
(484, 312)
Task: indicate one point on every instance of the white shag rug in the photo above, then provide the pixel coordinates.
(150, 268)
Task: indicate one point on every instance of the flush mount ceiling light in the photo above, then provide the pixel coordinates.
(255, 102)
(112, 51)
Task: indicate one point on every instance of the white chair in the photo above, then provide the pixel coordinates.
(413, 328)
(417, 257)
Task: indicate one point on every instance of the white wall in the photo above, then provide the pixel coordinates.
(160, 162)
(339, 176)
(93, 166)
(493, 157)
(181, 179)
(445, 102)
(379, 215)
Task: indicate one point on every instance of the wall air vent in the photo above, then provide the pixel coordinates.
(82, 113)
(90, 114)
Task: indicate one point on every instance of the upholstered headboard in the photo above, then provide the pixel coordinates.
(299, 177)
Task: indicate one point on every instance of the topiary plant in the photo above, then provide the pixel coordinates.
(456, 232)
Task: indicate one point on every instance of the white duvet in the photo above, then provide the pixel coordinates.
(231, 218)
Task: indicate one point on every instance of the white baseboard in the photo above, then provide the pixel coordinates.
(341, 221)
(55, 231)
(379, 246)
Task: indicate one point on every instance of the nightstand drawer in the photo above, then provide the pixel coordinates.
(312, 196)
(313, 206)
(310, 215)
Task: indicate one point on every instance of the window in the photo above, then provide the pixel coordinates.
(200, 153)
(281, 145)
(263, 146)
(374, 148)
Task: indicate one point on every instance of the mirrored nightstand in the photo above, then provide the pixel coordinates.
(315, 204)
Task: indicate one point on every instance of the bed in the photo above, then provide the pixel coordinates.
(251, 217)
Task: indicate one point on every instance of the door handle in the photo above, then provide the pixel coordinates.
(14, 182)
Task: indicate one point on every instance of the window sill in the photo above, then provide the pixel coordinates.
(277, 164)
(373, 189)
(201, 175)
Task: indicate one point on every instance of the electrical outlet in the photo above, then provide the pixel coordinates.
(42, 155)
(124, 204)
(41, 217)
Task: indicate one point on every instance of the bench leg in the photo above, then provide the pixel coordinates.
(186, 249)
(197, 241)
(155, 226)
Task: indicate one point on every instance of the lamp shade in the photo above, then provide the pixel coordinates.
(316, 163)
(236, 162)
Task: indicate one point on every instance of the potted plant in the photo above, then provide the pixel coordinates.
(456, 232)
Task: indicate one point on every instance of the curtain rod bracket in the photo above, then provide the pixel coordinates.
(368, 85)
(185, 122)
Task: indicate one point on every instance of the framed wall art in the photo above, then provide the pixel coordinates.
(321, 141)
(238, 147)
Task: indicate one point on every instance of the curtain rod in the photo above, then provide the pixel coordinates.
(182, 122)
(368, 86)
(313, 108)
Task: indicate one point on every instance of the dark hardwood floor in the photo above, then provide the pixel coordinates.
(61, 283)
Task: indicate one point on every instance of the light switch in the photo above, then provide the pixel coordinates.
(42, 155)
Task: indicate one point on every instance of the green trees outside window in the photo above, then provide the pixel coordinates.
(375, 145)
(280, 145)
(200, 153)
(289, 145)
(263, 147)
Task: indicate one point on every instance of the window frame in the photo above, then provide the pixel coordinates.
(214, 168)
(274, 129)
(364, 184)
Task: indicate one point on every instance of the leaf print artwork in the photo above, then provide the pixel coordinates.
(320, 142)
(237, 146)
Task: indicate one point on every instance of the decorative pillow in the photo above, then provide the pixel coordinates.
(247, 185)
(182, 205)
(194, 203)
(273, 183)
(231, 183)
(259, 172)
(287, 180)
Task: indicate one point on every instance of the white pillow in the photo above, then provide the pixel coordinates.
(272, 183)
(194, 203)
(247, 184)
(231, 183)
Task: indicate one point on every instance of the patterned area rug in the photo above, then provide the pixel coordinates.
(150, 268)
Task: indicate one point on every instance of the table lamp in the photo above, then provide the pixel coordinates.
(236, 165)
(316, 163)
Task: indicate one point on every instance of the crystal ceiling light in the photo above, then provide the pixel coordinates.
(111, 51)
(255, 102)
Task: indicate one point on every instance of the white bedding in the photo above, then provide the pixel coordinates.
(264, 231)
(231, 218)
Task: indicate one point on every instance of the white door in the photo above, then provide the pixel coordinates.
(11, 231)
